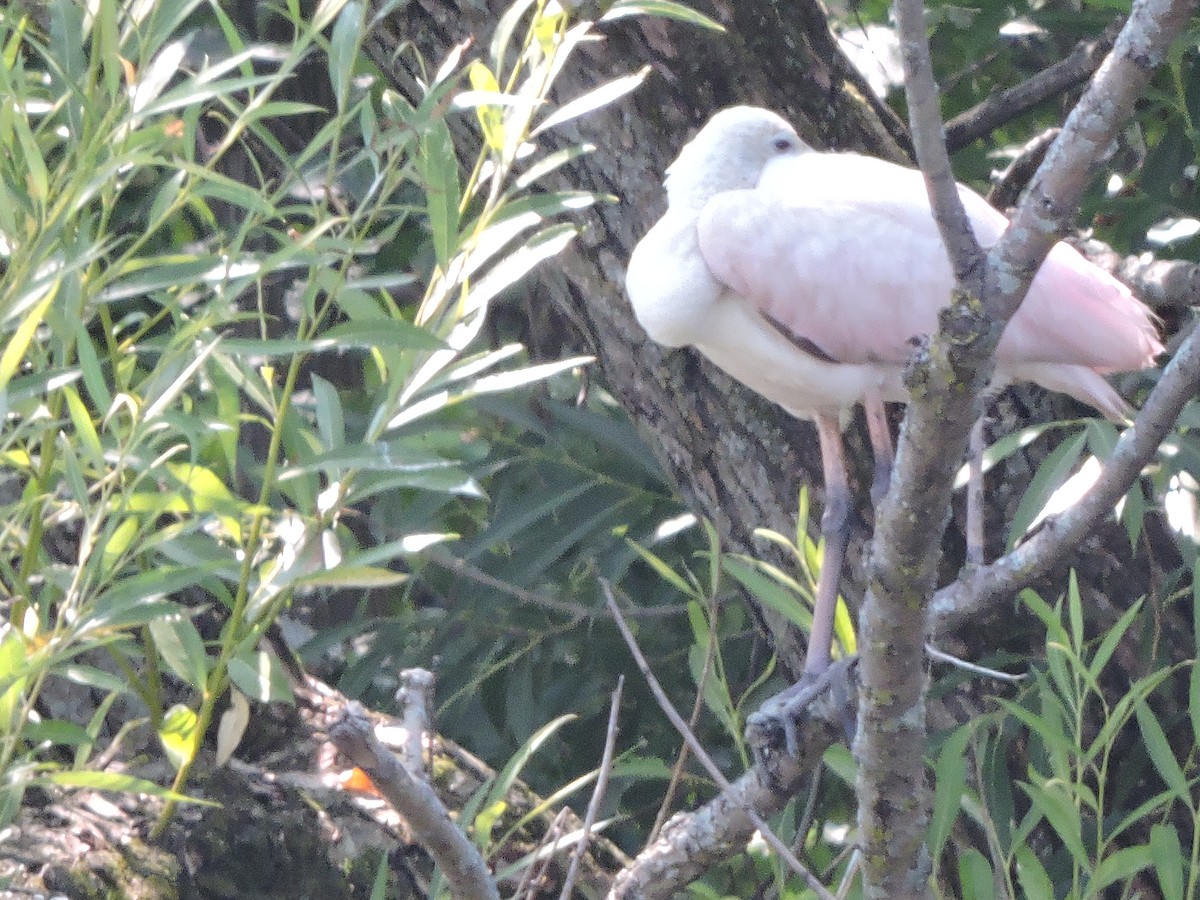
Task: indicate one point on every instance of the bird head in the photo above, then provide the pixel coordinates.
(729, 153)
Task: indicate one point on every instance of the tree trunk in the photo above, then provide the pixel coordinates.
(736, 458)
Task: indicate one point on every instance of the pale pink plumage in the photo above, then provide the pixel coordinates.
(842, 251)
(807, 276)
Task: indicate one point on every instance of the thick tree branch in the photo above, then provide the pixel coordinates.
(1006, 105)
(893, 796)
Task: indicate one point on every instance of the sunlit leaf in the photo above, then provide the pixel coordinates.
(179, 735)
(664, 9)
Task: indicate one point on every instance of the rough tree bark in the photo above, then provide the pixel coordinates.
(736, 459)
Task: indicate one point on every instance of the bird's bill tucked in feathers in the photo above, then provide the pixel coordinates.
(729, 153)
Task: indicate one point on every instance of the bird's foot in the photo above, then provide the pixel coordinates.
(821, 705)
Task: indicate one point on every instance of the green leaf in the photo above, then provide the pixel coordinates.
(331, 421)
(1113, 637)
(55, 731)
(1194, 701)
(85, 431)
(975, 875)
(1031, 874)
(179, 735)
(493, 799)
(345, 576)
(438, 163)
(18, 342)
(181, 646)
(1049, 477)
(1168, 859)
(1054, 802)
(343, 51)
(592, 100)
(505, 28)
(114, 781)
(769, 592)
(1163, 757)
(950, 781)
(663, 571)
(138, 599)
(259, 676)
(378, 333)
(663, 9)
(1119, 866)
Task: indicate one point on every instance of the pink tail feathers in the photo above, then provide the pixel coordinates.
(1104, 326)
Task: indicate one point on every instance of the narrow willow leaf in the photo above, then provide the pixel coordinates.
(85, 430)
(89, 364)
(180, 645)
(349, 576)
(259, 676)
(665, 572)
(1194, 701)
(491, 116)
(975, 875)
(1155, 741)
(114, 781)
(331, 421)
(378, 333)
(1048, 478)
(663, 9)
(438, 164)
(950, 781)
(18, 343)
(175, 388)
(343, 51)
(1121, 865)
(1031, 874)
(592, 100)
(769, 592)
(1167, 854)
(1053, 802)
(505, 28)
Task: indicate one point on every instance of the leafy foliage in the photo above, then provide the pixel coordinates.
(251, 374)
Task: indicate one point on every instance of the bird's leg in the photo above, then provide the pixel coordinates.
(975, 495)
(835, 527)
(881, 446)
(780, 711)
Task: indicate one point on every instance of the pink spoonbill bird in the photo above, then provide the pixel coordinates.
(806, 275)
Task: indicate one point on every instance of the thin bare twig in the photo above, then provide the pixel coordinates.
(697, 707)
(593, 810)
(701, 754)
(431, 824)
(925, 120)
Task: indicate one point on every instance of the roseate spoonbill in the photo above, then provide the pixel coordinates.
(805, 275)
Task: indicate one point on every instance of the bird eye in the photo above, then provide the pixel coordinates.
(782, 144)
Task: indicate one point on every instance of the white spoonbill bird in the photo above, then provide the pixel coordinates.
(806, 275)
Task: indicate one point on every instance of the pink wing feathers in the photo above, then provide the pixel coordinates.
(842, 251)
